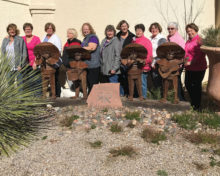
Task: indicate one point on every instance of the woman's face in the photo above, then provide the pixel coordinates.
(110, 34)
(70, 35)
(28, 31)
(86, 30)
(191, 32)
(11, 32)
(139, 32)
(154, 31)
(50, 31)
(124, 28)
(171, 30)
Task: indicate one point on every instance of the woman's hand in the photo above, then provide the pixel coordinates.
(113, 72)
(34, 66)
(19, 68)
(91, 47)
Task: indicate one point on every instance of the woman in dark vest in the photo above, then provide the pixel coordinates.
(125, 37)
(91, 43)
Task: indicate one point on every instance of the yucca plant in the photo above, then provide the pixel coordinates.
(20, 107)
(211, 37)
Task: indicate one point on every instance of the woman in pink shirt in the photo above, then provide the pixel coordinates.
(175, 37)
(31, 41)
(142, 40)
(195, 65)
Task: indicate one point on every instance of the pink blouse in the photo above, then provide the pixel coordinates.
(30, 47)
(195, 55)
(148, 45)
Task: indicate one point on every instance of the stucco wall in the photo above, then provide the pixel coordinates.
(73, 13)
(13, 12)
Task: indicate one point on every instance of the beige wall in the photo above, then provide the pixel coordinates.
(12, 12)
(73, 13)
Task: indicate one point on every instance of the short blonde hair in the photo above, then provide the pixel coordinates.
(92, 31)
(73, 31)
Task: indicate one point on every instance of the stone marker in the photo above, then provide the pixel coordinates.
(105, 95)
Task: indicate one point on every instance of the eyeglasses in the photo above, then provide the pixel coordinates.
(170, 29)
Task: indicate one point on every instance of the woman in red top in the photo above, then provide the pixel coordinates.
(195, 65)
(71, 40)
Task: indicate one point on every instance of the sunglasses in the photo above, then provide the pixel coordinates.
(170, 29)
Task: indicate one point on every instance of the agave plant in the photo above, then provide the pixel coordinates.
(20, 106)
(211, 37)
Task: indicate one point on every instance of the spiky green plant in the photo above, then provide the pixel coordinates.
(211, 37)
(20, 108)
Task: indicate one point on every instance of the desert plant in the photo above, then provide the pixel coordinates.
(162, 173)
(123, 151)
(133, 115)
(200, 166)
(202, 138)
(96, 144)
(20, 108)
(151, 135)
(189, 120)
(213, 162)
(105, 110)
(211, 37)
(93, 126)
(67, 121)
(116, 128)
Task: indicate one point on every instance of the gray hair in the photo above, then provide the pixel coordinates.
(173, 24)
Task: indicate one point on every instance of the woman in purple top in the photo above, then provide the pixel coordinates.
(91, 43)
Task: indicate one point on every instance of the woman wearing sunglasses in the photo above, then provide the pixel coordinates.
(175, 37)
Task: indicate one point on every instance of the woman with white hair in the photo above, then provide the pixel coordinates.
(71, 40)
(175, 37)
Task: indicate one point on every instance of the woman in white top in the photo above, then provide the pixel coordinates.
(51, 37)
(156, 39)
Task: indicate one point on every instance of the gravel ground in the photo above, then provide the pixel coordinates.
(67, 152)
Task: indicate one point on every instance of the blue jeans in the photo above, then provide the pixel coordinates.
(113, 78)
(144, 84)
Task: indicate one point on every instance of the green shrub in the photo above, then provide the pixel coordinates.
(115, 128)
(96, 144)
(123, 151)
(211, 37)
(162, 173)
(151, 135)
(189, 120)
(202, 138)
(20, 109)
(133, 115)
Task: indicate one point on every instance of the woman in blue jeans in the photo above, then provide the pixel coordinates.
(110, 56)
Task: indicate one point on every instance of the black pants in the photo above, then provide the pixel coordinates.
(193, 82)
(92, 77)
(57, 83)
(123, 80)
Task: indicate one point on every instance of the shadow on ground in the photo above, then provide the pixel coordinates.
(182, 106)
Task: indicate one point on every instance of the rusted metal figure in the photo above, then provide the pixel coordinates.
(77, 71)
(133, 56)
(171, 58)
(47, 55)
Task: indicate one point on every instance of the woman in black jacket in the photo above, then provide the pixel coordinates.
(125, 37)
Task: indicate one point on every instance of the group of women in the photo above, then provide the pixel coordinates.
(105, 65)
